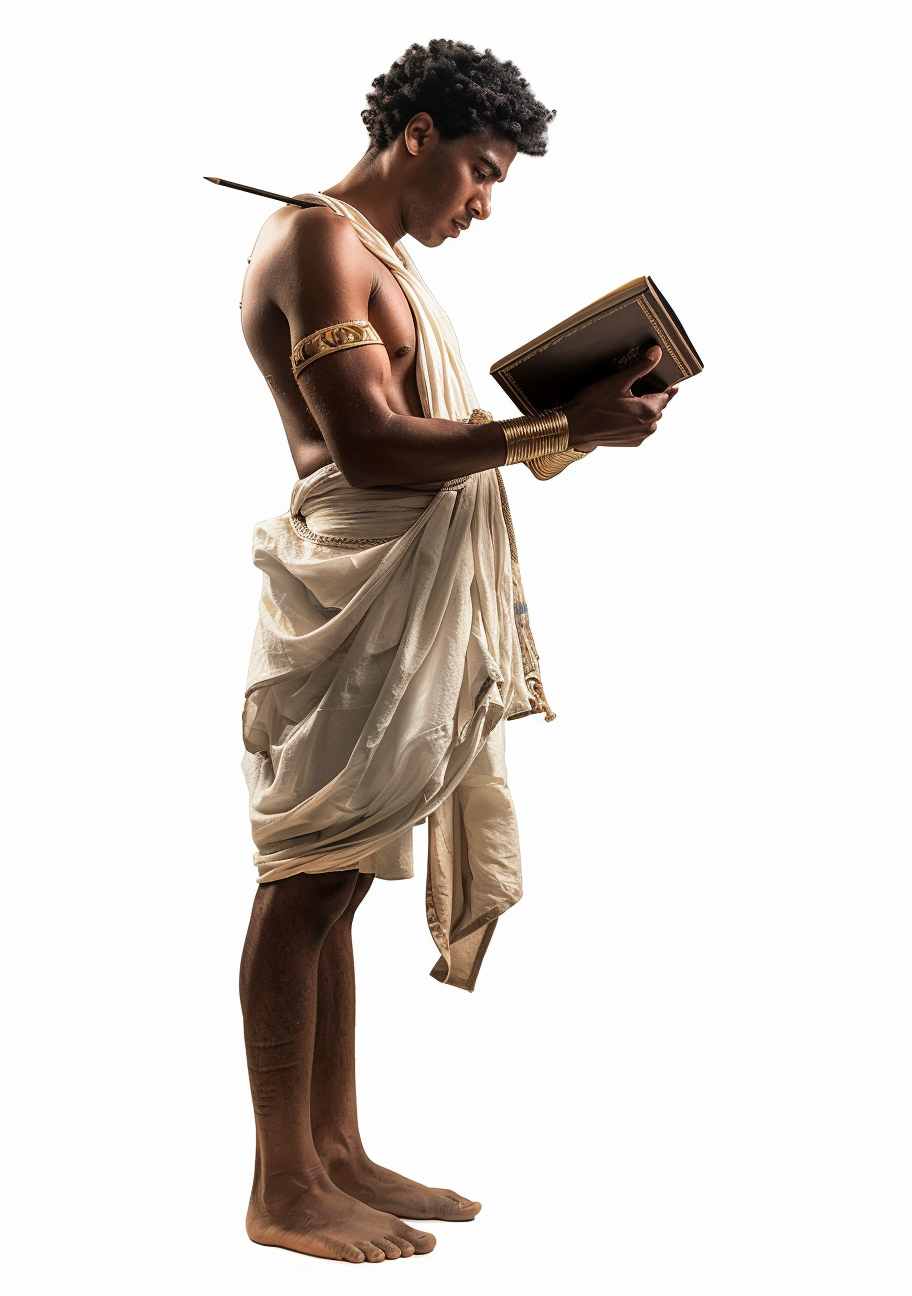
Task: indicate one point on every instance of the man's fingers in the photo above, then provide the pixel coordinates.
(634, 439)
(650, 407)
(659, 400)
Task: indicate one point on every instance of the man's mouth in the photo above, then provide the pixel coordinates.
(460, 226)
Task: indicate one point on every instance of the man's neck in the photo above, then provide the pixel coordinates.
(373, 188)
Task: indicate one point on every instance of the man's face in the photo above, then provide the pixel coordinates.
(452, 183)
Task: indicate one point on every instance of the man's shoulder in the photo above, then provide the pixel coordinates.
(315, 232)
(310, 255)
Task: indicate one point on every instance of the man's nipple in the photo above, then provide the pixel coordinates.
(403, 351)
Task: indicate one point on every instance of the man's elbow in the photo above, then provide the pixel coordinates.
(357, 458)
(358, 479)
(359, 471)
(363, 469)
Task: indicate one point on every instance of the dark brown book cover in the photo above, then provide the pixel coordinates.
(598, 340)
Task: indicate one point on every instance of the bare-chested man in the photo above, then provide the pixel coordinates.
(445, 126)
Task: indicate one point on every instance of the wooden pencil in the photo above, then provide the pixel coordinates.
(263, 193)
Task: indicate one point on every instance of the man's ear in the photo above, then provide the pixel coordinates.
(419, 133)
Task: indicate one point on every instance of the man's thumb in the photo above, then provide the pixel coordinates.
(643, 365)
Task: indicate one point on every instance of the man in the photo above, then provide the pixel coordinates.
(393, 640)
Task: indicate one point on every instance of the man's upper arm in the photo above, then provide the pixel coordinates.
(324, 278)
(324, 275)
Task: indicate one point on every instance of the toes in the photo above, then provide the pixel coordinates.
(371, 1252)
(351, 1253)
(405, 1247)
(422, 1242)
(388, 1247)
(457, 1207)
(448, 1209)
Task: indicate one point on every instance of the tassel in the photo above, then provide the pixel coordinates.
(538, 699)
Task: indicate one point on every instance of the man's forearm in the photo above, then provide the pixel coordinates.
(405, 450)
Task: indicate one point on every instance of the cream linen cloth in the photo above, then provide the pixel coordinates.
(386, 657)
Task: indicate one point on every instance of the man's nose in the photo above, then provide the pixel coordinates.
(480, 207)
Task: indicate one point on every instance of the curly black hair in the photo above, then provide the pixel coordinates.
(463, 90)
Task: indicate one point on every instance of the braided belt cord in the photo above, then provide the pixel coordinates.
(303, 531)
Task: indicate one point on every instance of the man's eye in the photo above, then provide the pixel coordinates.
(481, 174)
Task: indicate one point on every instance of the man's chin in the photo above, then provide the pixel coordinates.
(429, 240)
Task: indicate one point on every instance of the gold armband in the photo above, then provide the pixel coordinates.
(532, 438)
(337, 337)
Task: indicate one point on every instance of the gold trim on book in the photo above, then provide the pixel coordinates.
(336, 337)
(664, 339)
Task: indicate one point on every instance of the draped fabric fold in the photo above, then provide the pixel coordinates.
(386, 658)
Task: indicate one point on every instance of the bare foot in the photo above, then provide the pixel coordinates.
(308, 1213)
(385, 1190)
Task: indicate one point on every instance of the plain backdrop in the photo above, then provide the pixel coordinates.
(685, 1068)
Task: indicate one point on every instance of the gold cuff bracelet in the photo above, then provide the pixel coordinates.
(337, 337)
(532, 438)
(548, 467)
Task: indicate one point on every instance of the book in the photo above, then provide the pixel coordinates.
(599, 340)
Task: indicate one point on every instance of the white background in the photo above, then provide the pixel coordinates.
(685, 1068)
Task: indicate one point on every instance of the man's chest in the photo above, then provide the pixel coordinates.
(391, 316)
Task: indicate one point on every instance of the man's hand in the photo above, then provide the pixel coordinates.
(607, 414)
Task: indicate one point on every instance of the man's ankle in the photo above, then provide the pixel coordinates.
(340, 1148)
(277, 1185)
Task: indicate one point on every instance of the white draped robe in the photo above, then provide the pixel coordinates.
(392, 643)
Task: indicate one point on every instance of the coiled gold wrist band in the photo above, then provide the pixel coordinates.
(543, 463)
(532, 438)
